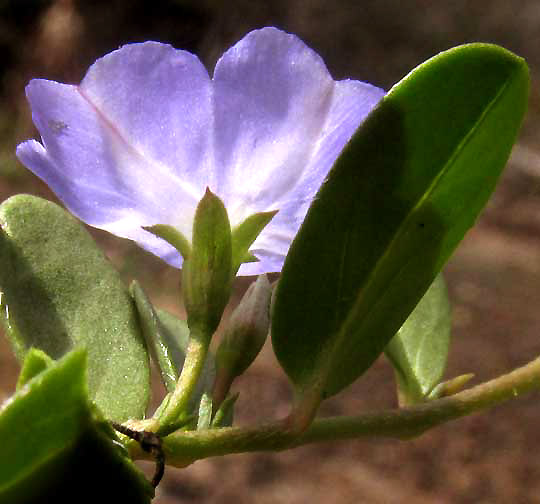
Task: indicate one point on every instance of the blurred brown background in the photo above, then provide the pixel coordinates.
(494, 277)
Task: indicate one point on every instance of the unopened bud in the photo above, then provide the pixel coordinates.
(247, 329)
(207, 275)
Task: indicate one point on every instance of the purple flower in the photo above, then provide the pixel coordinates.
(147, 130)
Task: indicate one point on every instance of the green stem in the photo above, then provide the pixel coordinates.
(183, 448)
(193, 365)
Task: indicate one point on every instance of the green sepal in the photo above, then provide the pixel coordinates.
(400, 197)
(57, 445)
(35, 361)
(245, 234)
(419, 350)
(250, 258)
(60, 292)
(172, 236)
(207, 276)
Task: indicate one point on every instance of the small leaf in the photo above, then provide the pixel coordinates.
(176, 335)
(60, 292)
(400, 197)
(450, 387)
(34, 363)
(56, 445)
(166, 347)
(419, 350)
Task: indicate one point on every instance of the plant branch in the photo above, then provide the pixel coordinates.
(183, 448)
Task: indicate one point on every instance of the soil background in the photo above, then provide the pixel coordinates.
(494, 277)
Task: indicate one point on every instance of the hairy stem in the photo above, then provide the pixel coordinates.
(178, 401)
(183, 448)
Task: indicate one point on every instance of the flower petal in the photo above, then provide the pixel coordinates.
(97, 208)
(127, 147)
(271, 97)
(84, 161)
(146, 132)
(351, 103)
(159, 99)
(280, 123)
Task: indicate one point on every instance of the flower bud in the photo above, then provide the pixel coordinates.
(207, 275)
(247, 329)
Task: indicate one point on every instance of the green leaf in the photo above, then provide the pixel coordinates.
(34, 363)
(55, 443)
(167, 343)
(419, 350)
(399, 199)
(176, 335)
(60, 292)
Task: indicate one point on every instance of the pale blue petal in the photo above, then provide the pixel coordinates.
(123, 149)
(281, 121)
(147, 131)
(159, 99)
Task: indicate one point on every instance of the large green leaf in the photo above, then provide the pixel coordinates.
(56, 446)
(419, 350)
(60, 292)
(401, 196)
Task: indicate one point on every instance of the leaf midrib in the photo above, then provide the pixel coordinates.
(357, 306)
